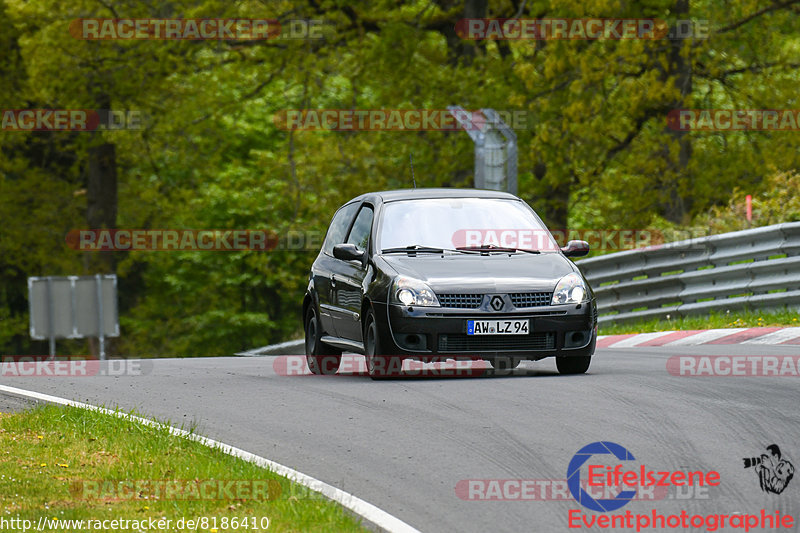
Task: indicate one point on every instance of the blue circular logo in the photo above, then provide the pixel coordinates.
(574, 476)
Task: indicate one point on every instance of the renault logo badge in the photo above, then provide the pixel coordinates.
(496, 303)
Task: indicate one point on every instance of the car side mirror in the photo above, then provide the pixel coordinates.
(348, 252)
(576, 249)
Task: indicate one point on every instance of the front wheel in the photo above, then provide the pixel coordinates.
(573, 365)
(321, 358)
(379, 365)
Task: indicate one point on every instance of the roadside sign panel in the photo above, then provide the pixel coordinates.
(73, 307)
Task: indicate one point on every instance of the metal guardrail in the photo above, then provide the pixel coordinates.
(756, 269)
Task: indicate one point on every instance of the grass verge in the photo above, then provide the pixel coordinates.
(68, 463)
(740, 319)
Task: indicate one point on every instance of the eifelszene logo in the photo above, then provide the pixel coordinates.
(774, 472)
(615, 477)
(574, 476)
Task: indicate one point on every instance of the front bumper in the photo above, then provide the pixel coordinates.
(432, 333)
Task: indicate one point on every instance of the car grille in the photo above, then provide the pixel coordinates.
(461, 342)
(460, 301)
(531, 299)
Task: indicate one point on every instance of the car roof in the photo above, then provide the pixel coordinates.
(426, 193)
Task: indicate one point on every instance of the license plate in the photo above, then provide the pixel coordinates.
(498, 327)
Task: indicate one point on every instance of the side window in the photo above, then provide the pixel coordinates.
(359, 235)
(338, 228)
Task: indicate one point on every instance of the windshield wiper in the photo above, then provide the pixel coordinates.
(493, 248)
(414, 248)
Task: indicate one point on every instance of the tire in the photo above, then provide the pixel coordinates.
(379, 366)
(321, 358)
(573, 365)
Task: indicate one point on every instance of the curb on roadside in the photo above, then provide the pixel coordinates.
(756, 336)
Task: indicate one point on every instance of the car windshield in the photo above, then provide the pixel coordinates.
(462, 223)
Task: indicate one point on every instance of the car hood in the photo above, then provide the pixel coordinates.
(496, 272)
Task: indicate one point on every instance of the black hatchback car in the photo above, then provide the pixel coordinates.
(438, 274)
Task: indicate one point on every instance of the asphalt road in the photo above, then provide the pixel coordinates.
(404, 445)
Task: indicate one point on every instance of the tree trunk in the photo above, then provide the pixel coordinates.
(101, 213)
(101, 195)
(461, 49)
(674, 205)
(553, 202)
(101, 208)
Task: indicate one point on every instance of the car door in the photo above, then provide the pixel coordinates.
(349, 278)
(326, 265)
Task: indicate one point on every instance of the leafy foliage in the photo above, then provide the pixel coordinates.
(597, 152)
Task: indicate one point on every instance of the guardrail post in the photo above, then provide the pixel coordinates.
(51, 321)
(100, 325)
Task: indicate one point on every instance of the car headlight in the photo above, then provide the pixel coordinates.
(409, 291)
(570, 290)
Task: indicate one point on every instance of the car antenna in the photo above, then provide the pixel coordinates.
(411, 159)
